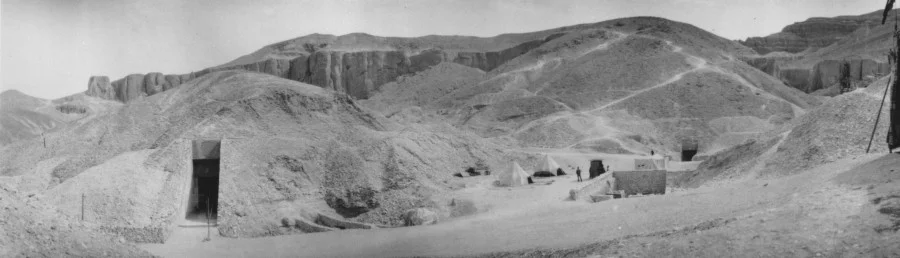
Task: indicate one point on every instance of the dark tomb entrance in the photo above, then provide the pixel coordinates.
(596, 168)
(688, 150)
(204, 197)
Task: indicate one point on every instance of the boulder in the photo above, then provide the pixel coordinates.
(288, 222)
(419, 216)
(462, 207)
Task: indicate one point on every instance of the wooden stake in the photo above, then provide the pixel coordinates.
(82, 206)
(207, 218)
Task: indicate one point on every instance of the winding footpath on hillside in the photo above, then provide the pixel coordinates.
(523, 76)
(696, 63)
(602, 131)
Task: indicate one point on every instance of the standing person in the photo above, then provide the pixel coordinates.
(578, 173)
(651, 152)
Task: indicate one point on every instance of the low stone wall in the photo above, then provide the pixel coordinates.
(602, 184)
(641, 182)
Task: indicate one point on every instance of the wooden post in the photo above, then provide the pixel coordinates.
(207, 218)
(82, 206)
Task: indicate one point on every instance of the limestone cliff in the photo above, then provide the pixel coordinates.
(822, 75)
(812, 33)
(356, 73)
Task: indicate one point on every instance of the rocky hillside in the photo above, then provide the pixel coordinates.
(362, 128)
(530, 76)
(627, 85)
(25, 117)
(839, 128)
(356, 64)
(816, 70)
(289, 150)
(813, 33)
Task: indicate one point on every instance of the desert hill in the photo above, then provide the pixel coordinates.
(25, 117)
(837, 129)
(321, 153)
(531, 79)
(325, 133)
(602, 87)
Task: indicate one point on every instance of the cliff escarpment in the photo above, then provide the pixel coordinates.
(356, 73)
(812, 33)
(822, 75)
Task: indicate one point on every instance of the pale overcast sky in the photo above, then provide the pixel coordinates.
(50, 48)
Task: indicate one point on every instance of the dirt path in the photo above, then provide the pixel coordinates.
(697, 64)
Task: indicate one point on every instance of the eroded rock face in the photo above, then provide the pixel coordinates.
(130, 87)
(357, 74)
(822, 75)
(99, 86)
(812, 33)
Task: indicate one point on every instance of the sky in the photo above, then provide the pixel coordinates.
(50, 48)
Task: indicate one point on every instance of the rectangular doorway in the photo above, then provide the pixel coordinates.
(203, 202)
(204, 190)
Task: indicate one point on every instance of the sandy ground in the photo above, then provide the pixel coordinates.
(538, 217)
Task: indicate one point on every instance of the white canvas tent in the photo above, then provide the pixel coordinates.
(513, 175)
(547, 167)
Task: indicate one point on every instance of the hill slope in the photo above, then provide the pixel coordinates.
(285, 146)
(620, 80)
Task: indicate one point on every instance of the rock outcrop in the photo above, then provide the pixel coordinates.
(822, 75)
(356, 73)
(419, 216)
(99, 86)
(812, 33)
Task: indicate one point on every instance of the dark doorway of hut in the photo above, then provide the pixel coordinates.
(204, 191)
